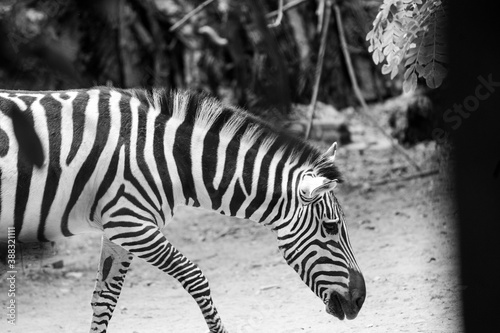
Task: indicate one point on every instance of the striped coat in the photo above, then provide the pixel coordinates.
(118, 162)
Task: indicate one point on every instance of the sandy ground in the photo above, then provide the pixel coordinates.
(403, 235)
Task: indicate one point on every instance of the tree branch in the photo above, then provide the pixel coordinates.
(319, 67)
(404, 178)
(357, 91)
(121, 43)
(286, 7)
(192, 13)
(279, 18)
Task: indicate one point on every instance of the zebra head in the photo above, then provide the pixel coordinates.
(315, 243)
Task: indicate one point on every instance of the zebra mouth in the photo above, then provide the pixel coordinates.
(334, 306)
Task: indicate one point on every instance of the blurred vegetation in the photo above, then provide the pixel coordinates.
(227, 48)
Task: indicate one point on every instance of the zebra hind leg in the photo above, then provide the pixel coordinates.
(113, 267)
(153, 247)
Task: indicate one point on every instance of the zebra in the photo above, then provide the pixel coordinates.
(119, 161)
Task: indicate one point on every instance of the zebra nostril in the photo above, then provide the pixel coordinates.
(359, 301)
(358, 288)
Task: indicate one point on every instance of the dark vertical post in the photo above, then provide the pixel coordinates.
(474, 97)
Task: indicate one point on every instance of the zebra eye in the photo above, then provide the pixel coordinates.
(331, 226)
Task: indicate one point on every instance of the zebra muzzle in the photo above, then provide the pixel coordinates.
(340, 307)
(334, 306)
(348, 305)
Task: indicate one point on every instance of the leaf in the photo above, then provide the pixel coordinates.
(410, 84)
(388, 49)
(380, 55)
(410, 60)
(409, 71)
(394, 72)
(424, 58)
(413, 31)
(386, 69)
(434, 75)
(420, 69)
(433, 81)
(376, 58)
(441, 58)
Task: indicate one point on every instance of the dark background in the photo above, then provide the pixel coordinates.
(474, 52)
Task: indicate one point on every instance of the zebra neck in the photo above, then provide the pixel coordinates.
(219, 172)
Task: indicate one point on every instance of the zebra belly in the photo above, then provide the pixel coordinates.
(39, 209)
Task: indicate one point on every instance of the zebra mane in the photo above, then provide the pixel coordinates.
(206, 112)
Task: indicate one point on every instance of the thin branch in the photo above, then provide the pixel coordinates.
(151, 39)
(213, 35)
(357, 91)
(280, 16)
(192, 13)
(320, 12)
(404, 178)
(121, 43)
(319, 68)
(286, 7)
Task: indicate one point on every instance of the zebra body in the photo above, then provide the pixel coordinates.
(120, 161)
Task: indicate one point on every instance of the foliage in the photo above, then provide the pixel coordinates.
(229, 48)
(411, 33)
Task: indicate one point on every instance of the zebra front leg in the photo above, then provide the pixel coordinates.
(147, 242)
(113, 267)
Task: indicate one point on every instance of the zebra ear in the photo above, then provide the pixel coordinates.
(331, 152)
(314, 186)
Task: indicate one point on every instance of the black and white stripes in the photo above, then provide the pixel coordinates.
(120, 161)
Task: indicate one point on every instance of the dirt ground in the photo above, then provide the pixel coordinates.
(403, 235)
